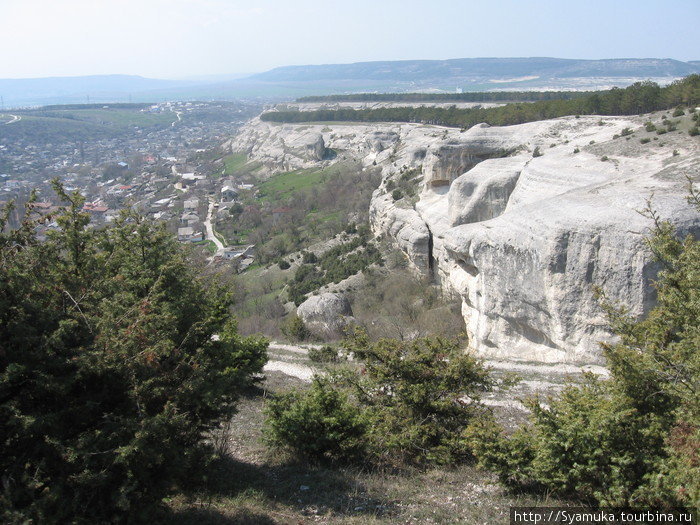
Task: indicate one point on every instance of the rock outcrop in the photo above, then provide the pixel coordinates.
(327, 314)
(522, 240)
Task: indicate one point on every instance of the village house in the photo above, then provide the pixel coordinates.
(228, 193)
(235, 252)
(187, 234)
(189, 218)
(191, 204)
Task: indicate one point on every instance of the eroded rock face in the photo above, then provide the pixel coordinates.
(282, 147)
(530, 243)
(484, 191)
(522, 240)
(327, 314)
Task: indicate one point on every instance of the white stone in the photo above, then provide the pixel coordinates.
(328, 313)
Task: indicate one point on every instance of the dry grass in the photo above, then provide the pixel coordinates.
(253, 485)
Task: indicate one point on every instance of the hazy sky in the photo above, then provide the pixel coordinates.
(180, 38)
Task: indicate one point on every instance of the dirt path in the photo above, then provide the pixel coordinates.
(303, 372)
(541, 379)
(210, 229)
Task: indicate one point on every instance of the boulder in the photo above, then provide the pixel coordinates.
(326, 314)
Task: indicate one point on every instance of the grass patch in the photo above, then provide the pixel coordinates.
(234, 162)
(285, 185)
(209, 245)
(60, 125)
(119, 118)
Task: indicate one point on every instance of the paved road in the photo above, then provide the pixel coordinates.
(15, 118)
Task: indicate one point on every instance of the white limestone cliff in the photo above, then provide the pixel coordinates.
(523, 241)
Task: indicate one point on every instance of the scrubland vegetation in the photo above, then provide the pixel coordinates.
(629, 440)
(294, 210)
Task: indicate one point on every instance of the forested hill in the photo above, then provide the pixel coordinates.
(641, 97)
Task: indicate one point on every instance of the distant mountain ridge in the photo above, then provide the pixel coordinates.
(468, 74)
(496, 68)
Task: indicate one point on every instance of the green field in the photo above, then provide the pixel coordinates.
(234, 162)
(60, 125)
(285, 185)
(120, 118)
(209, 245)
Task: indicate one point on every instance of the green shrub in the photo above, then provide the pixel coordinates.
(397, 194)
(649, 126)
(325, 354)
(604, 158)
(296, 329)
(536, 152)
(416, 395)
(410, 403)
(309, 258)
(576, 150)
(645, 140)
(319, 423)
(578, 446)
(625, 132)
(284, 265)
(694, 131)
(678, 112)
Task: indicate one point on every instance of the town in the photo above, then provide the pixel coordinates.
(170, 166)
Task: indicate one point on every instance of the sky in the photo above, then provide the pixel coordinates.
(184, 38)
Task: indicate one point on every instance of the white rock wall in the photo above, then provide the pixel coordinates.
(522, 241)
